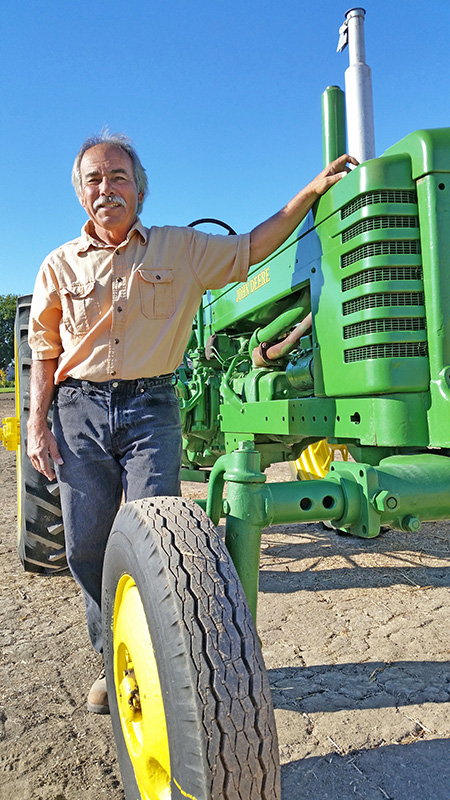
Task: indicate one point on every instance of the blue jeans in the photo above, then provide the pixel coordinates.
(115, 437)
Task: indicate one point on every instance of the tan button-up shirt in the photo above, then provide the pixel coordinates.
(126, 312)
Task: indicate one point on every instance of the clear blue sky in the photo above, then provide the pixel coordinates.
(222, 99)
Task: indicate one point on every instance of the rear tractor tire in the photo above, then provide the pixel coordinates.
(189, 695)
(40, 529)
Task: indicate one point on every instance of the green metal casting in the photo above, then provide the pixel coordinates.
(371, 262)
(355, 497)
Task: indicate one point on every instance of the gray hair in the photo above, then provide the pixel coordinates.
(118, 140)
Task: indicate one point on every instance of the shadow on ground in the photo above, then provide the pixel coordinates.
(390, 772)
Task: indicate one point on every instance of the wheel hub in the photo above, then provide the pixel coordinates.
(130, 703)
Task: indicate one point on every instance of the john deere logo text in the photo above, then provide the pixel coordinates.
(253, 284)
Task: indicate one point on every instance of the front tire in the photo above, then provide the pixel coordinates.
(189, 696)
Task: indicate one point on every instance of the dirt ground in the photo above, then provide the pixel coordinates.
(356, 641)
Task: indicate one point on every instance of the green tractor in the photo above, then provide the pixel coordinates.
(340, 341)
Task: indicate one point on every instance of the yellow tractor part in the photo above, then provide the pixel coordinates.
(10, 433)
(139, 696)
(10, 430)
(315, 461)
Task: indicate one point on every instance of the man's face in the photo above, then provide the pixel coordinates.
(109, 192)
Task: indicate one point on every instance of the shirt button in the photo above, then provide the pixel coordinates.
(119, 279)
(116, 341)
(119, 308)
(117, 252)
(113, 372)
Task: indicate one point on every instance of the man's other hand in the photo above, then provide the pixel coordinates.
(41, 448)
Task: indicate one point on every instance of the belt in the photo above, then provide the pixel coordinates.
(126, 385)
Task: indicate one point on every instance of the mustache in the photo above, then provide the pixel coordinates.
(107, 201)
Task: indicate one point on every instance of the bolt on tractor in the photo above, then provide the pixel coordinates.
(340, 341)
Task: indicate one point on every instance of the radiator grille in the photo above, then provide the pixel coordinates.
(384, 326)
(381, 274)
(389, 350)
(409, 247)
(386, 299)
(379, 223)
(382, 196)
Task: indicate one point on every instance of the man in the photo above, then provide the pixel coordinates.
(110, 319)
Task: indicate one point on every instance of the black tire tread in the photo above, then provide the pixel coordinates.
(234, 702)
(40, 511)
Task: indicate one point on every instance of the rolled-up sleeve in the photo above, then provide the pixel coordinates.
(45, 316)
(217, 260)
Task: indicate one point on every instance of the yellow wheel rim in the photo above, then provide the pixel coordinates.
(315, 461)
(139, 696)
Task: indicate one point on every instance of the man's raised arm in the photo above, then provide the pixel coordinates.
(267, 237)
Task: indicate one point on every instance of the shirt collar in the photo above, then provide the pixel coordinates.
(87, 240)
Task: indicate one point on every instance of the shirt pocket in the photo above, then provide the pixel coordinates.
(156, 292)
(80, 307)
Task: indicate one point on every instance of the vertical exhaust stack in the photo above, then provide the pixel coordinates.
(358, 87)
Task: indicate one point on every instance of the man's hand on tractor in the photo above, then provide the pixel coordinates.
(271, 234)
(332, 174)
